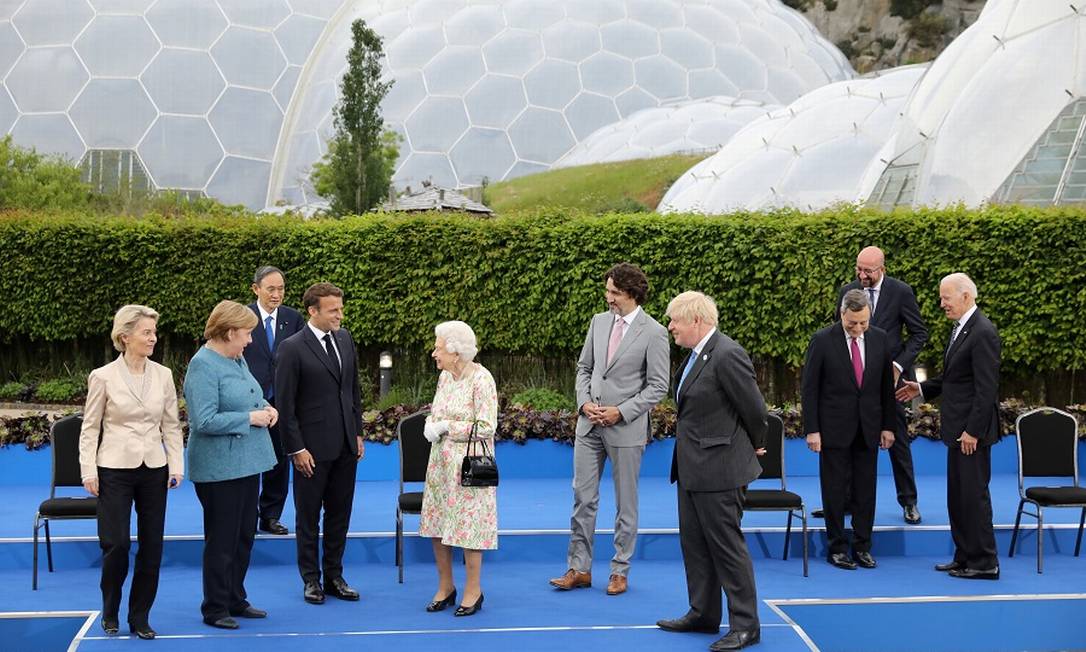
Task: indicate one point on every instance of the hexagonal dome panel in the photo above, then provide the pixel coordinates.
(59, 65)
(297, 36)
(660, 77)
(180, 152)
(495, 101)
(183, 81)
(247, 122)
(654, 13)
(255, 13)
(404, 96)
(686, 48)
(241, 181)
(599, 12)
(514, 52)
(420, 166)
(589, 112)
(541, 135)
(633, 100)
(454, 70)
(187, 23)
(249, 57)
(11, 46)
(474, 25)
(482, 154)
(571, 40)
(437, 124)
(532, 14)
(552, 84)
(121, 6)
(630, 39)
(113, 113)
(49, 134)
(607, 74)
(117, 46)
(52, 22)
(415, 47)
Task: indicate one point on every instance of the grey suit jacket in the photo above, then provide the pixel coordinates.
(721, 420)
(635, 381)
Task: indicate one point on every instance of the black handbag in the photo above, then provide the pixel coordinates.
(478, 470)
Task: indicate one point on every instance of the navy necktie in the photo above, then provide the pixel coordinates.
(331, 351)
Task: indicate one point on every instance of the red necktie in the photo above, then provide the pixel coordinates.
(857, 363)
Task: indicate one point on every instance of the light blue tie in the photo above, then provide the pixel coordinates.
(269, 332)
(686, 370)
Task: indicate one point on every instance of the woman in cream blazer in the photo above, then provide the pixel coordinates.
(129, 453)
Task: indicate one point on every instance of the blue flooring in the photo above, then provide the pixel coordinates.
(45, 633)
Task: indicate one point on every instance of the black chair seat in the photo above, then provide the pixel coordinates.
(772, 499)
(1048, 496)
(69, 507)
(411, 502)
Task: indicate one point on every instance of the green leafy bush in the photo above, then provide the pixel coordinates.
(542, 398)
(33, 181)
(14, 391)
(61, 390)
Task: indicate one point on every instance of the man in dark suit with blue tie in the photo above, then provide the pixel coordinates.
(276, 323)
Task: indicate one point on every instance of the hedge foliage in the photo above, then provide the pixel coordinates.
(529, 283)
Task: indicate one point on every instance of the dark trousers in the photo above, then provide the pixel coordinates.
(331, 487)
(275, 483)
(901, 461)
(969, 506)
(715, 556)
(229, 531)
(849, 474)
(118, 491)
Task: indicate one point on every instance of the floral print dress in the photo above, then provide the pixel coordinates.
(466, 517)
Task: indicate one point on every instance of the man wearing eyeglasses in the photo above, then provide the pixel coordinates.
(893, 308)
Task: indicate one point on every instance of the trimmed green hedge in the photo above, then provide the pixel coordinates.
(529, 283)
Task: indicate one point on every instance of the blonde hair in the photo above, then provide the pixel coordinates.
(691, 305)
(226, 316)
(124, 322)
(459, 339)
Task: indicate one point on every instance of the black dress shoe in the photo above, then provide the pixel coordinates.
(143, 631)
(338, 588)
(949, 566)
(226, 622)
(273, 526)
(313, 592)
(976, 574)
(688, 623)
(818, 513)
(864, 559)
(250, 612)
(737, 640)
(111, 626)
(470, 611)
(841, 560)
(912, 515)
(439, 605)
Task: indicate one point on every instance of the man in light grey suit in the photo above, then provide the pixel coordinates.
(720, 429)
(621, 374)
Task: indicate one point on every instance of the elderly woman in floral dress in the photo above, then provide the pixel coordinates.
(453, 515)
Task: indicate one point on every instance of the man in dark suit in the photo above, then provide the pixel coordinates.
(969, 425)
(721, 424)
(848, 414)
(893, 308)
(320, 416)
(276, 323)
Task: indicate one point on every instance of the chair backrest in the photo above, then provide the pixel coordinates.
(414, 449)
(64, 440)
(773, 460)
(1047, 444)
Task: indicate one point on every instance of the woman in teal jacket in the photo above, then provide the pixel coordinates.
(229, 447)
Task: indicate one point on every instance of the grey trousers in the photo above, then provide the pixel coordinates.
(589, 454)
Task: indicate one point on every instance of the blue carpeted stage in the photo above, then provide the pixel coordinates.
(918, 609)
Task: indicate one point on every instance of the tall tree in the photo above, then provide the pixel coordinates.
(357, 169)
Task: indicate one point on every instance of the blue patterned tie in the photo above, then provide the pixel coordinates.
(689, 365)
(269, 332)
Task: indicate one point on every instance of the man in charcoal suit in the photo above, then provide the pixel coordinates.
(621, 375)
(849, 413)
(277, 322)
(969, 425)
(720, 429)
(320, 416)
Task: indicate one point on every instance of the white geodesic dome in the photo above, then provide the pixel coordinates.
(808, 155)
(999, 116)
(690, 126)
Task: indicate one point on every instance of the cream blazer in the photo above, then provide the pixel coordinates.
(133, 432)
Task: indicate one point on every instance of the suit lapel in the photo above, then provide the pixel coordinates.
(317, 347)
(281, 326)
(628, 339)
(262, 336)
(702, 361)
(960, 339)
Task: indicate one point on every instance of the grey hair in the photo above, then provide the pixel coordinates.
(962, 283)
(124, 322)
(266, 270)
(854, 300)
(459, 339)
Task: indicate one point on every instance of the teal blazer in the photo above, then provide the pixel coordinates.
(219, 395)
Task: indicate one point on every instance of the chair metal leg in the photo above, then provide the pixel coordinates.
(48, 546)
(1017, 522)
(803, 515)
(36, 526)
(1081, 522)
(787, 535)
(399, 542)
(1040, 539)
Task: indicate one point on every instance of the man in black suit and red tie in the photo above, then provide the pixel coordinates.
(320, 416)
(849, 413)
(894, 309)
(276, 323)
(969, 425)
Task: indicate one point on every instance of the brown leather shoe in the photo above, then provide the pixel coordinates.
(572, 580)
(617, 585)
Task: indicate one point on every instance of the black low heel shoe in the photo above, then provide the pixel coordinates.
(111, 626)
(470, 611)
(440, 605)
(142, 631)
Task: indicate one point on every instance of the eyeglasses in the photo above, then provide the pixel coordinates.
(867, 271)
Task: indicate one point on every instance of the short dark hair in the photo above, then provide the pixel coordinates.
(266, 270)
(854, 301)
(629, 278)
(315, 292)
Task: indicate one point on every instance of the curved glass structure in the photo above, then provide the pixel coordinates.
(808, 155)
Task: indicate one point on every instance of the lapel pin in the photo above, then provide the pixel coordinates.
(704, 357)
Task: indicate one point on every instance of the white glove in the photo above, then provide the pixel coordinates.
(433, 430)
